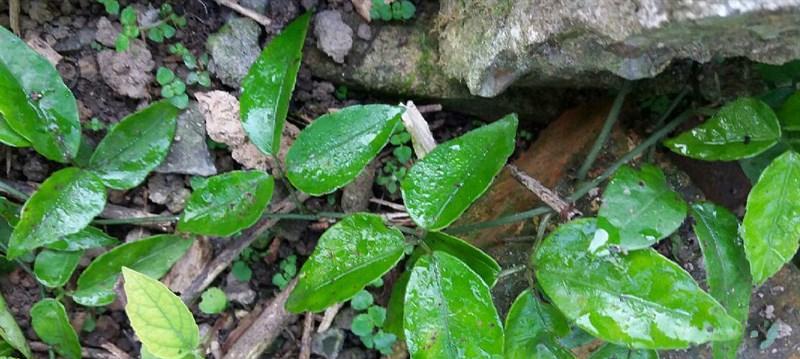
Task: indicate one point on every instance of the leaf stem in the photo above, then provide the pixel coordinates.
(612, 118)
(511, 271)
(137, 220)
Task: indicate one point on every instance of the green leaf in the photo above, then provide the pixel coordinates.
(156, 35)
(87, 238)
(10, 137)
(164, 76)
(407, 10)
(741, 129)
(128, 16)
(377, 314)
(362, 325)
(480, 262)
(64, 204)
(789, 113)
(50, 322)
(362, 300)
(348, 256)
(227, 203)
(54, 268)
(213, 301)
(36, 103)
(754, 166)
(152, 256)
(640, 208)
(395, 308)
(612, 351)
(6, 350)
(384, 342)
(268, 86)
(122, 43)
(532, 328)
(771, 225)
(10, 331)
(135, 146)
(180, 101)
(168, 30)
(641, 300)
(449, 311)
(727, 270)
(111, 6)
(441, 186)
(162, 322)
(242, 271)
(336, 147)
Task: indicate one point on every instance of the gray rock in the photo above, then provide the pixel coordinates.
(328, 344)
(356, 195)
(334, 37)
(168, 190)
(344, 319)
(233, 49)
(238, 292)
(107, 32)
(189, 151)
(364, 32)
(128, 73)
(259, 6)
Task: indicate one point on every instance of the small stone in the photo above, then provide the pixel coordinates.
(344, 319)
(168, 190)
(39, 12)
(364, 32)
(356, 195)
(238, 292)
(309, 4)
(189, 151)
(328, 343)
(107, 32)
(334, 37)
(128, 73)
(35, 169)
(88, 67)
(259, 6)
(233, 49)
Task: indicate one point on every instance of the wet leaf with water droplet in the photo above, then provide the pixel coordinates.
(135, 146)
(741, 129)
(36, 104)
(50, 322)
(64, 204)
(349, 255)
(478, 260)
(10, 331)
(227, 203)
(336, 147)
(10, 137)
(268, 86)
(641, 299)
(639, 209)
(727, 270)
(613, 351)
(771, 225)
(87, 238)
(153, 256)
(395, 307)
(449, 311)
(532, 329)
(441, 186)
(54, 268)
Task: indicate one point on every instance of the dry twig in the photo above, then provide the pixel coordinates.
(305, 341)
(328, 317)
(547, 196)
(234, 5)
(13, 16)
(417, 127)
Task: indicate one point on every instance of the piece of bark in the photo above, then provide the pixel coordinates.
(305, 340)
(566, 210)
(182, 274)
(417, 127)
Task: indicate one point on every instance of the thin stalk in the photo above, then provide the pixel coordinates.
(511, 271)
(137, 220)
(13, 192)
(612, 118)
(664, 116)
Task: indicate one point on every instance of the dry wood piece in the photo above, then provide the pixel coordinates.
(13, 16)
(328, 317)
(547, 196)
(305, 341)
(234, 5)
(417, 127)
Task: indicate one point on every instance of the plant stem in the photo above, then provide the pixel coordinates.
(612, 118)
(137, 220)
(13, 192)
(511, 271)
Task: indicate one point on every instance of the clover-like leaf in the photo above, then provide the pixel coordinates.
(160, 319)
(268, 86)
(349, 255)
(771, 225)
(135, 146)
(741, 129)
(478, 260)
(532, 330)
(227, 203)
(441, 186)
(50, 322)
(336, 147)
(640, 300)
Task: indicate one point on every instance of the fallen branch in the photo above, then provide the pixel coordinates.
(391, 205)
(233, 5)
(305, 340)
(566, 210)
(13, 16)
(417, 127)
(328, 317)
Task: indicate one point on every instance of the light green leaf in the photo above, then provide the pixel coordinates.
(50, 322)
(641, 300)
(771, 225)
(268, 86)
(532, 329)
(135, 146)
(753, 166)
(789, 113)
(36, 103)
(640, 208)
(160, 319)
(64, 204)
(613, 351)
(486, 267)
(741, 129)
(727, 270)
(153, 256)
(449, 311)
(10, 331)
(336, 147)
(163, 75)
(213, 301)
(54, 268)
(348, 256)
(227, 203)
(441, 186)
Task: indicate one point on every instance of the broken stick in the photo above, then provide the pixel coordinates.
(234, 5)
(566, 210)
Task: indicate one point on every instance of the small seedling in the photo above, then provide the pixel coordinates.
(394, 170)
(111, 6)
(172, 88)
(368, 324)
(288, 269)
(242, 271)
(130, 29)
(166, 27)
(213, 301)
(397, 10)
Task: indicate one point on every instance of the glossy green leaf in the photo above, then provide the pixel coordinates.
(35, 103)
(88, 238)
(640, 208)
(741, 129)
(771, 225)
(395, 307)
(51, 323)
(135, 146)
(268, 86)
(10, 331)
(162, 322)
(227, 203)
(54, 268)
(336, 147)
(153, 256)
(727, 270)
(754, 166)
(613, 351)
(9, 211)
(213, 301)
(65, 204)
(449, 311)
(641, 300)
(478, 260)
(10, 137)
(532, 329)
(789, 113)
(349, 255)
(441, 186)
